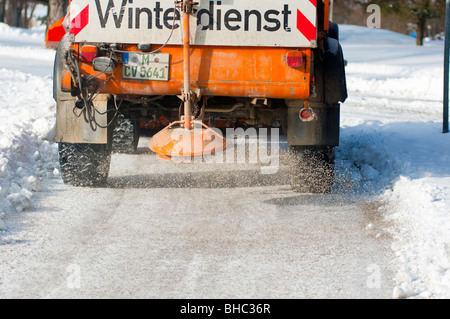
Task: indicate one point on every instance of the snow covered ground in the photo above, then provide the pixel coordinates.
(392, 149)
(392, 143)
(28, 155)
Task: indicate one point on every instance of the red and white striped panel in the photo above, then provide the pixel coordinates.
(306, 19)
(79, 18)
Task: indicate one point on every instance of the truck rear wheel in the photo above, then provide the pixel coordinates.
(125, 136)
(312, 169)
(84, 164)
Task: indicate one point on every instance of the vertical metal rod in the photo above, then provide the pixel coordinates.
(446, 67)
(187, 64)
(331, 5)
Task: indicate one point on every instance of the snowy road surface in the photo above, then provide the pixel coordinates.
(220, 236)
(160, 230)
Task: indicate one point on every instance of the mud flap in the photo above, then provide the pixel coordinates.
(71, 126)
(323, 130)
(335, 85)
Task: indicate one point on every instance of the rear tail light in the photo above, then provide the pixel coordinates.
(88, 53)
(294, 59)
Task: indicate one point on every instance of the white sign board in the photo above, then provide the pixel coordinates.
(286, 23)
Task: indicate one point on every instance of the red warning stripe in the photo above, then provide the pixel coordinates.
(80, 21)
(305, 26)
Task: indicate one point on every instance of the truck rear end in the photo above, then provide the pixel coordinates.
(252, 64)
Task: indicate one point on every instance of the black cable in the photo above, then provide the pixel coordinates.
(89, 110)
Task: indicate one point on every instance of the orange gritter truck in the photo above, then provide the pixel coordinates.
(212, 63)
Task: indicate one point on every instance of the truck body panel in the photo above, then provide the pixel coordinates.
(220, 71)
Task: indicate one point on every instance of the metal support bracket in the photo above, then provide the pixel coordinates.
(187, 6)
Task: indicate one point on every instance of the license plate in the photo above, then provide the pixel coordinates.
(145, 66)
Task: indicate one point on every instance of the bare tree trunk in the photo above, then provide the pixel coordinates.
(56, 10)
(13, 13)
(420, 31)
(27, 14)
(29, 17)
(2, 10)
(24, 16)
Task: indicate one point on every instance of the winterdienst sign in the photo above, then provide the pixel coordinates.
(286, 23)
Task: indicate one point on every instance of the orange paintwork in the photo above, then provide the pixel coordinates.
(221, 71)
(326, 15)
(66, 80)
(175, 140)
(54, 34)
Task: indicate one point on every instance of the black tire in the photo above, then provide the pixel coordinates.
(84, 164)
(335, 85)
(312, 169)
(125, 136)
(333, 31)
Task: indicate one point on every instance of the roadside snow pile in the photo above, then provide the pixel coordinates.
(388, 64)
(406, 165)
(419, 209)
(424, 84)
(363, 161)
(392, 144)
(21, 37)
(28, 154)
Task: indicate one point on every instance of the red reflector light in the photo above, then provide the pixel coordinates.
(294, 59)
(306, 114)
(88, 53)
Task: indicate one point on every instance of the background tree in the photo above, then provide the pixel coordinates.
(2, 10)
(347, 12)
(56, 10)
(18, 13)
(418, 12)
(424, 10)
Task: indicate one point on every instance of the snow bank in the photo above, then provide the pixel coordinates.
(405, 166)
(391, 65)
(419, 209)
(410, 83)
(393, 147)
(28, 154)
